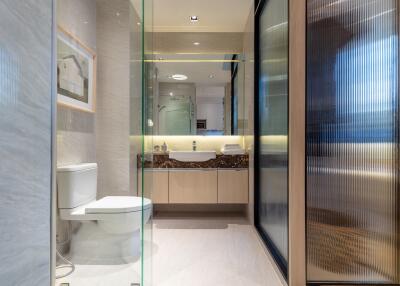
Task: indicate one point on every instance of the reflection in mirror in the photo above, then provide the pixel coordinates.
(199, 94)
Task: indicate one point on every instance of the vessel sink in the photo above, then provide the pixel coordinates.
(192, 156)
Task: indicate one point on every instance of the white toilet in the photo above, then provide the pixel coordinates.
(110, 230)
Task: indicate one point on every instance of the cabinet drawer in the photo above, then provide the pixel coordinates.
(233, 186)
(155, 186)
(193, 187)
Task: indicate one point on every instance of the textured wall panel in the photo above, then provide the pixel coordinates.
(25, 141)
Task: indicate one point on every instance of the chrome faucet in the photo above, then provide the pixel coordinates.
(194, 147)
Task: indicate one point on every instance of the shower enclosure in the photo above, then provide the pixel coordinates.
(271, 128)
(115, 131)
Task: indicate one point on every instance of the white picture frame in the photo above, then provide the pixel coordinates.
(76, 73)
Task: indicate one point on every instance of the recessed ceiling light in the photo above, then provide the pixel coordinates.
(138, 23)
(179, 77)
(86, 22)
(194, 19)
(118, 14)
(171, 94)
(211, 76)
(196, 43)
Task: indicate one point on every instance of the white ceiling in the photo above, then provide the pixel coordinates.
(214, 15)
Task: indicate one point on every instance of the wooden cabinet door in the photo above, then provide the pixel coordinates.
(193, 186)
(155, 186)
(233, 186)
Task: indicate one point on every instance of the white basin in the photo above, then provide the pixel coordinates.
(192, 156)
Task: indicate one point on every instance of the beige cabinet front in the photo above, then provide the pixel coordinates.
(193, 186)
(233, 186)
(155, 186)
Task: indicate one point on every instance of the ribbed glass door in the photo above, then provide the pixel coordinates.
(272, 128)
(353, 141)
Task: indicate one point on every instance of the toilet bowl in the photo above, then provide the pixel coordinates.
(109, 228)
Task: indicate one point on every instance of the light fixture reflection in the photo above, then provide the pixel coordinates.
(179, 77)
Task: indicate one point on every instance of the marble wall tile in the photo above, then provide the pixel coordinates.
(25, 141)
(110, 28)
(79, 18)
(135, 96)
(76, 138)
(113, 100)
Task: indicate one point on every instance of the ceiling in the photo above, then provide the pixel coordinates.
(208, 43)
(219, 34)
(214, 15)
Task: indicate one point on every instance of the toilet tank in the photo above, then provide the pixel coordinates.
(76, 185)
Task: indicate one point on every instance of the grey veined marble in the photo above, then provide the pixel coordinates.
(25, 142)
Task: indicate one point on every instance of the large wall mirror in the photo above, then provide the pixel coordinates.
(198, 92)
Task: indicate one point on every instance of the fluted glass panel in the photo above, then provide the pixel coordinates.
(273, 127)
(352, 141)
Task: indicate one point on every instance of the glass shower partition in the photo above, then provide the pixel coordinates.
(148, 87)
(271, 158)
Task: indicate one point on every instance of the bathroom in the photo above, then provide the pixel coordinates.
(144, 163)
(199, 142)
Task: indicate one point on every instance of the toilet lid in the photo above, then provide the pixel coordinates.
(120, 204)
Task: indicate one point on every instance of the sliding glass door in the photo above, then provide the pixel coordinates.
(353, 141)
(271, 122)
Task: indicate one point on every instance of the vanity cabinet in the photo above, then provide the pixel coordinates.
(197, 186)
(155, 186)
(233, 186)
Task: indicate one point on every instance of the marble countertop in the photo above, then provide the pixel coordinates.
(162, 161)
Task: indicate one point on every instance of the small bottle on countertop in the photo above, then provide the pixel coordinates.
(164, 147)
(194, 146)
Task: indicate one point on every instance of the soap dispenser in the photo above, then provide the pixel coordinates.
(164, 147)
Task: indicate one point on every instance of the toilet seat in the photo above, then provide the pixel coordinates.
(116, 208)
(113, 205)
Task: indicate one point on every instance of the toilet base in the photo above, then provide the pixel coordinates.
(91, 245)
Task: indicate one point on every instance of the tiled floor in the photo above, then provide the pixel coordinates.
(191, 252)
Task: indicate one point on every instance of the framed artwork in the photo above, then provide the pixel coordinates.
(76, 73)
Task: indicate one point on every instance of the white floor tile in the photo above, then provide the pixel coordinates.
(190, 252)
